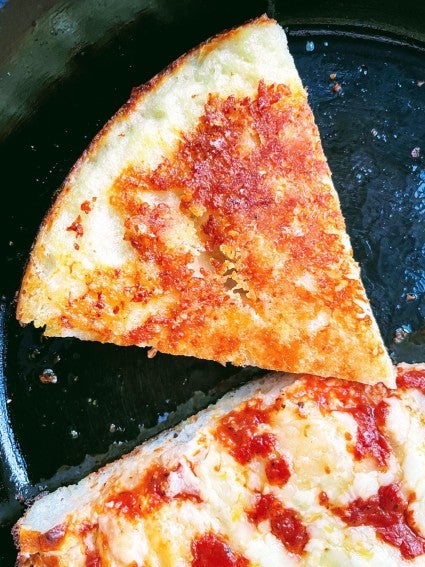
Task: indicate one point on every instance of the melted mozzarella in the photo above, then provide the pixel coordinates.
(150, 507)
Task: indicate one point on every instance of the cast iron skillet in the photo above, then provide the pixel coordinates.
(68, 406)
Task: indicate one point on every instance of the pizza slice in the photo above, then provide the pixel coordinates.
(287, 472)
(202, 221)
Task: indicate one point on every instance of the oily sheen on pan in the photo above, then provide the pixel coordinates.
(202, 221)
(286, 471)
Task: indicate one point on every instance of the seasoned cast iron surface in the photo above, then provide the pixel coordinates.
(74, 405)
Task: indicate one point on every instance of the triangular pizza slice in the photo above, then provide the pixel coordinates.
(202, 221)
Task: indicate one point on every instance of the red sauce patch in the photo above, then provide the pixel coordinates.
(331, 394)
(285, 523)
(323, 499)
(239, 431)
(277, 471)
(370, 441)
(141, 295)
(86, 527)
(411, 379)
(86, 207)
(127, 503)
(100, 304)
(365, 403)
(211, 551)
(144, 333)
(155, 484)
(93, 559)
(77, 227)
(152, 492)
(386, 512)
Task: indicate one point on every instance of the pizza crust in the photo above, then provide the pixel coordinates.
(314, 454)
(202, 221)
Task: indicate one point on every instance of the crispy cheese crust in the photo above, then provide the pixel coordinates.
(202, 221)
(281, 472)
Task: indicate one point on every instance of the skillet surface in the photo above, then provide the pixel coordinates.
(367, 92)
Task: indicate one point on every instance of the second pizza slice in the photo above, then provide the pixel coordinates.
(202, 221)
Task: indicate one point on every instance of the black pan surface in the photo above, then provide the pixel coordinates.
(68, 406)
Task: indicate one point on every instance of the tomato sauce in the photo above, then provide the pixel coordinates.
(240, 433)
(285, 523)
(387, 512)
(411, 379)
(76, 227)
(277, 471)
(86, 527)
(365, 403)
(86, 206)
(211, 551)
(370, 440)
(127, 503)
(93, 559)
(151, 493)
